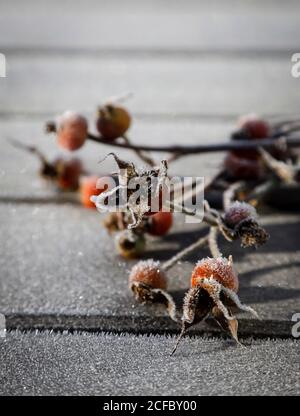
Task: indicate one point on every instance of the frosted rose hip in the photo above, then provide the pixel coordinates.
(219, 269)
(150, 273)
(72, 130)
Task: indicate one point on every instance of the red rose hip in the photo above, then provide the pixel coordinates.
(219, 269)
(160, 223)
(72, 131)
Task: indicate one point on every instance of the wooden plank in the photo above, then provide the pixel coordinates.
(204, 86)
(43, 363)
(151, 25)
(76, 279)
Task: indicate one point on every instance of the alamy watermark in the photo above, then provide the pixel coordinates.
(142, 195)
(295, 71)
(2, 326)
(2, 66)
(296, 326)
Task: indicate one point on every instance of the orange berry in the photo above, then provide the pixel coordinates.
(160, 223)
(113, 121)
(90, 186)
(150, 273)
(219, 269)
(72, 130)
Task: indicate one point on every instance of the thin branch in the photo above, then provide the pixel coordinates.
(268, 143)
(185, 252)
(144, 157)
(229, 193)
(212, 242)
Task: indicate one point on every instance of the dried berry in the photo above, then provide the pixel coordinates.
(238, 212)
(160, 223)
(67, 173)
(113, 121)
(130, 244)
(240, 220)
(72, 130)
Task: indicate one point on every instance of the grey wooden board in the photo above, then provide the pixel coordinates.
(59, 268)
(211, 85)
(156, 25)
(19, 178)
(84, 364)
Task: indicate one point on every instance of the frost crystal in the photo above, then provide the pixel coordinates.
(238, 212)
(219, 269)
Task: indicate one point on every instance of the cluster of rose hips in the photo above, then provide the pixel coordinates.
(213, 287)
(132, 243)
(248, 164)
(72, 132)
(214, 282)
(113, 122)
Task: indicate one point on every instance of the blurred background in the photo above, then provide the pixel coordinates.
(193, 67)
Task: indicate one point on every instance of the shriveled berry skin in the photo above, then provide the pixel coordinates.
(68, 173)
(240, 167)
(254, 126)
(160, 223)
(113, 121)
(149, 273)
(238, 212)
(130, 246)
(89, 186)
(72, 131)
(219, 269)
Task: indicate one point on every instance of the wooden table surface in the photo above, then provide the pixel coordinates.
(193, 67)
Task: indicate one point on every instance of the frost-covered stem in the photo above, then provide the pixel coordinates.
(212, 242)
(229, 194)
(282, 170)
(185, 252)
(209, 219)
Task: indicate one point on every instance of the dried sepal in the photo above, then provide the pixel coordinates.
(214, 291)
(196, 307)
(251, 234)
(137, 189)
(228, 325)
